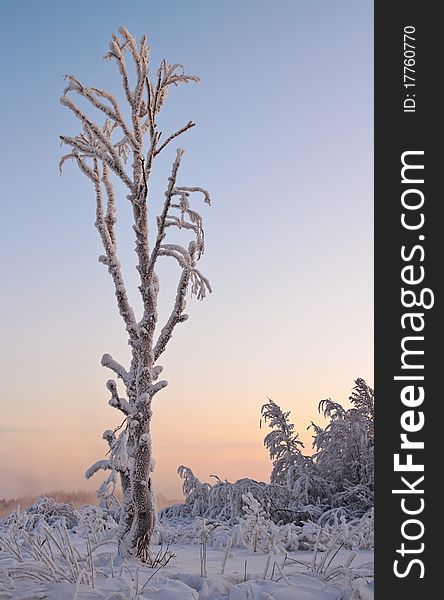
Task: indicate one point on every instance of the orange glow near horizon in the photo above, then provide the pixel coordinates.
(210, 442)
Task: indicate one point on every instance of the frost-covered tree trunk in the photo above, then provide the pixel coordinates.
(124, 150)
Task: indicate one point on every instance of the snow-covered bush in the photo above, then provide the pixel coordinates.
(196, 493)
(340, 473)
(226, 499)
(326, 490)
(44, 511)
(255, 530)
(289, 535)
(98, 523)
(196, 496)
(255, 522)
(354, 534)
(345, 449)
(283, 445)
(47, 554)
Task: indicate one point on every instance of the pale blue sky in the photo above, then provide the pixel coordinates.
(284, 143)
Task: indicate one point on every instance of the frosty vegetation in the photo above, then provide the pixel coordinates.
(54, 551)
(308, 533)
(119, 153)
(334, 484)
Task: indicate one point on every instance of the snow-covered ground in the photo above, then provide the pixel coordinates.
(56, 559)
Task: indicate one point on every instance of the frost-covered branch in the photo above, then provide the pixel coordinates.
(97, 144)
(207, 198)
(180, 255)
(162, 219)
(111, 261)
(109, 362)
(115, 401)
(185, 258)
(174, 135)
(92, 95)
(115, 52)
(75, 155)
(177, 315)
(110, 217)
(104, 465)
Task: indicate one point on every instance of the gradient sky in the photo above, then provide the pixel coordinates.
(285, 145)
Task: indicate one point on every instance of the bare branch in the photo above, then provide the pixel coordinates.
(189, 125)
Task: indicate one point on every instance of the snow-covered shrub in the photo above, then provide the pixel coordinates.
(100, 524)
(340, 473)
(364, 531)
(255, 522)
(307, 483)
(196, 497)
(256, 530)
(175, 511)
(319, 492)
(196, 493)
(47, 554)
(336, 527)
(44, 511)
(314, 536)
(237, 536)
(221, 536)
(289, 536)
(226, 499)
(283, 445)
(333, 516)
(358, 497)
(345, 449)
(358, 533)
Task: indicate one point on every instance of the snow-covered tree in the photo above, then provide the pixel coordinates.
(122, 148)
(340, 473)
(345, 447)
(196, 493)
(336, 482)
(283, 445)
(307, 483)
